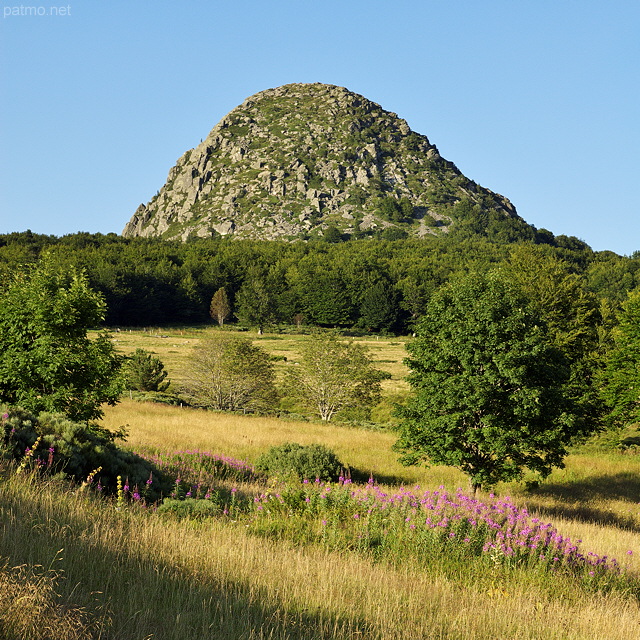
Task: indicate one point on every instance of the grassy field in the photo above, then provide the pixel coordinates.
(173, 347)
(81, 567)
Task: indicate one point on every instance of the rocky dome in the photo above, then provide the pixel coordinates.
(290, 162)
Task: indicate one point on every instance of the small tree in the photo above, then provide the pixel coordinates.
(231, 373)
(220, 308)
(256, 303)
(47, 360)
(334, 375)
(144, 372)
(489, 385)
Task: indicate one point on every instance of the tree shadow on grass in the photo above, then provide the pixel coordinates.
(363, 477)
(580, 498)
(150, 598)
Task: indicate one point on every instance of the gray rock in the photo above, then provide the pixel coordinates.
(328, 153)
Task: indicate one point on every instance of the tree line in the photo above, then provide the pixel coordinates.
(369, 284)
(512, 362)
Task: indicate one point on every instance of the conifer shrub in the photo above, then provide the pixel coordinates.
(306, 462)
(81, 451)
(145, 372)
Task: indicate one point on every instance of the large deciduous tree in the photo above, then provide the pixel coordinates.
(47, 360)
(334, 375)
(621, 378)
(489, 385)
(231, 373)
(574, 318)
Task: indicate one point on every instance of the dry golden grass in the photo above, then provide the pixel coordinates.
(585, 500)
(181, 581)
(246, 437)
(173, 347)
(30, 608)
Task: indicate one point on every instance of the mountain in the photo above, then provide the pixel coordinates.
(297, 160)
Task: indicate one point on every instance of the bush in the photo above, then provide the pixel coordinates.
(53, 443)
(305, 462)
(190, 508)
(144, 372)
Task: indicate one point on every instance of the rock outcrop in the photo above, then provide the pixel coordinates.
(291, 161)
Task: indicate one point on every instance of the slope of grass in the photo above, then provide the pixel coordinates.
(92, 568)
(141, 576)
(153, 426)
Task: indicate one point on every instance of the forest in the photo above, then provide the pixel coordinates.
(370, 285)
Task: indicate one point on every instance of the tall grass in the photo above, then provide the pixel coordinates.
(30, 607)
(159, 427)
(595, 497)
(138, 575)
(272, 565)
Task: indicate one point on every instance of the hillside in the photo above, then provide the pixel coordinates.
(293, 161)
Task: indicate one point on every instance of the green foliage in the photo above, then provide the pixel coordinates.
(155, 282)
(395, 210)
(379, 307)
(306, 462)
(190, 508)
(489, 385)
(334, 375)
(256, 303)
(621, 378)
(230, 373)
(79, 450)
(47, 362)
(320, 289)
(574, 319)
(144, 372)
(332, 234)
(393, 233)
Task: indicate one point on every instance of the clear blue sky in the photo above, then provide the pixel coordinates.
(537, 100)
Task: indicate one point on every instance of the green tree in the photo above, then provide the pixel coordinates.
(489, 385)
(334, 375)
(378, 306)
(144, 372)
(231, 373)
(323, 293)
(573, 317)
(47, 360)
(220, 307)
(621, 378)
(256, 302)
(332, 234)
(391, 209)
